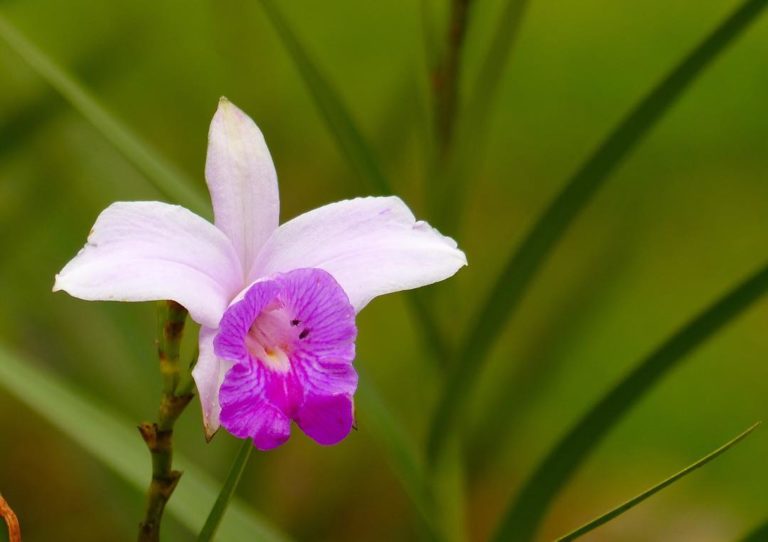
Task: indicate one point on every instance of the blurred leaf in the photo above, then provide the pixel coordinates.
(168, 179)
(522, 517)
(101, 64)
(448, 479)
(109, 439)
(520, 385)
(432, 45)
(330, 104)
(524, 263)
(608, 516)
(227, 490)
(759, 534)
(399, 452)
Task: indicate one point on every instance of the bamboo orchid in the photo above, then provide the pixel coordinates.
(276, 303)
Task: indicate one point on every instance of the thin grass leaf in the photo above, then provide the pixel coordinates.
(24, 122)
(758, 534)
(509, 289)
(110, 440)
(163, 175)
(227, 491)
(448, 485)
(608, 516)
(329, 103)
(525, 512)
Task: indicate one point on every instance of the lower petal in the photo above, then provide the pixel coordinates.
(327, 419)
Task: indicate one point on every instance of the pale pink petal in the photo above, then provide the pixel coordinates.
(242, 180)
(209, 373)
(144, 251)
(371, 246)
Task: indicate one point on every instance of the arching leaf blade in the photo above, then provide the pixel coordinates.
(526, 510)
(523, 265)
(161, 173)
(634, 501)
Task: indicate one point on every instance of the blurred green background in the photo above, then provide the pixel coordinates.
(681, 221)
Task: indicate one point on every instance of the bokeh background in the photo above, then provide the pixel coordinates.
(681, 221)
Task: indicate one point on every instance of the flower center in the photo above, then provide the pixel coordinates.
(270, 338)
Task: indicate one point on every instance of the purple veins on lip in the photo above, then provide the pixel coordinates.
(277, 376)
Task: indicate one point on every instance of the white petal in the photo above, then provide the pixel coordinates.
(144, 251)
(242, 180)
(371, 246)
(209, 374)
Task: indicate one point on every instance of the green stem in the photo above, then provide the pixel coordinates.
(159, 435)
(525, 512)
(471, 126)
(445, 76)
(230, 485)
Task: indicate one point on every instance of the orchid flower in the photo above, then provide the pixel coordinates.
(276, 303)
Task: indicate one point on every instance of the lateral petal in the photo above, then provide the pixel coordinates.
(144, 251)
(371, 246)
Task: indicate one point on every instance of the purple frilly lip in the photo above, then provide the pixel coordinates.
(290, 340)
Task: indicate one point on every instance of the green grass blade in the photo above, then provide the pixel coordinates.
(112, 441)
(526, 511)
(608, 516)
(330, 104)
(164, 176)
(758, 534)
(27, 119)
(225, 496)
(523, 265)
